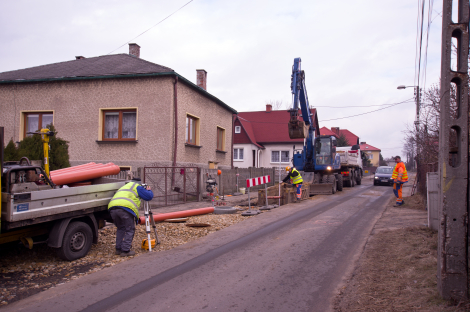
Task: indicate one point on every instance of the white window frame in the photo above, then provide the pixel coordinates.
(238, 153)
(279, 152)
(238, 129)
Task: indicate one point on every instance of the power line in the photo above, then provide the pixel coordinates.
(151, 27)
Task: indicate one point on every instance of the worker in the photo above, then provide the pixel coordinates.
(400, 177)
(296, 179)
(124, 209)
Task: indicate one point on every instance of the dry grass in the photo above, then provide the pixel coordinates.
(397, 272)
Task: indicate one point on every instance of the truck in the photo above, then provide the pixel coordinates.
(319, 159)
(38, 211)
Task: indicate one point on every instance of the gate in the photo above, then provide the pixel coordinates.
(172, 185)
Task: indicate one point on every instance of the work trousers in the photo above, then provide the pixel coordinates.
(398, 191)
(125, 223)
(299, 191)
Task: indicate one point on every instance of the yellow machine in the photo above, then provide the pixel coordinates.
(45, 134)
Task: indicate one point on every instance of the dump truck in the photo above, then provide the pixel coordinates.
(351, 164)
(35, 210)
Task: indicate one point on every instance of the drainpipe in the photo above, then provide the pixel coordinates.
(233, 136)
(176, 131)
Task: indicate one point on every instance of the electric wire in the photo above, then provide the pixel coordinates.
(152, 26)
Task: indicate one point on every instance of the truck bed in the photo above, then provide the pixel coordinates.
(350, 158)
(37, 204)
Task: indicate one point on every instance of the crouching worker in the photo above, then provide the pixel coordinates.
(400, 177)
(296, 179)
(124, 209)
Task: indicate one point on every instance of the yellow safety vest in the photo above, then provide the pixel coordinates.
(395, 174)
(127, 197)
(298, 179)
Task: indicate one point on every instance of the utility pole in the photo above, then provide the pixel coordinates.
(452, 254)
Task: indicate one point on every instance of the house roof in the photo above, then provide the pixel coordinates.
(350, 137)
(367, 147)
(326, 131)
(101, 67)
(270, 126)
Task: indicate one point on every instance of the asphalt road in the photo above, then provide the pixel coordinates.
(293, 258)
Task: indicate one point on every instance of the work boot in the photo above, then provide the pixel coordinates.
(298, 200)
(128, 253)
(118, 252)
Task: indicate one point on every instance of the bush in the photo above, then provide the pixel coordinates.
(32, 147)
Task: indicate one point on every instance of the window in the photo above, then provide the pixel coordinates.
(192, 130)
(238, 129)
(371, 156)
(238, 154)
(284, 156)
(220, 139)
(120, 124)
(35, 121)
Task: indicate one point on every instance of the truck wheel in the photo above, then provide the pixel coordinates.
(353, 179)
(339, 187)
(331, 179)
(77, 241)
(358, 179)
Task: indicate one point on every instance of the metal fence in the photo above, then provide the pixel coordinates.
(172, 185)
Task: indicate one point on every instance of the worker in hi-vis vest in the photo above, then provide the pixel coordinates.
(296, 179)
(124, 209)
(400, 177)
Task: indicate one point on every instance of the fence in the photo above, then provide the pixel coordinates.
(231, 180)
(172, 185)
(421, 176)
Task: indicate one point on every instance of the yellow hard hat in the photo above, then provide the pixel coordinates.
(287, 168)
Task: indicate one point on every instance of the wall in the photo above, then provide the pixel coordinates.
(265, 155)
(247, 155)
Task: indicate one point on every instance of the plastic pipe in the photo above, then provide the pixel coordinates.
(79, 168)
(78, 176)
(179, 214)
(72, 168)
(90, 167)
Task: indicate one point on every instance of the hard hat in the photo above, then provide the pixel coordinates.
(287, 168)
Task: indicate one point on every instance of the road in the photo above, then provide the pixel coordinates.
(293, 258)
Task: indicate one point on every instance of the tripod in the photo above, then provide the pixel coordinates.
(149, 219)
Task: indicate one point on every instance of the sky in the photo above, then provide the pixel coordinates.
(354, 52)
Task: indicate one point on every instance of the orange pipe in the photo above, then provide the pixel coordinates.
(179, 214)
(83, 175)
(89, 167)
(72, 168)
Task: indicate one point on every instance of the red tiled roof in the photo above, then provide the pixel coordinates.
(367, 147)
(270, 127)
(326, 131)
(350, 137)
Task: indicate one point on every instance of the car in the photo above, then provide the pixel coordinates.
(383, 175)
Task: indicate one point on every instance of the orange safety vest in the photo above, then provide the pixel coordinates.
(397, 172)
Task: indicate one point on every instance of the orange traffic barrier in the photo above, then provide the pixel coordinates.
(179, 214)
(83, 175)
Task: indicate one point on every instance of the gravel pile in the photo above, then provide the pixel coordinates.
(25, 272)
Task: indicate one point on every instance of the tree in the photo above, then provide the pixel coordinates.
(365, 160)
(10, 152)
(382, 162)
(32, 147)
(342, 140)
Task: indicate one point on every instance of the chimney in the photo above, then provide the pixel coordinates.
(79, 57)
(335, 130)
(134, 50)
(201, 78)
(269, 108)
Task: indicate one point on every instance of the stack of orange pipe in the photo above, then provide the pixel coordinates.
(83, 172)
(179, 214)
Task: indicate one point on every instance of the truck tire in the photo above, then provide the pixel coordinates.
(332, 180)
(77, 241)
(339, 185)
(352, 179)
(359, 178)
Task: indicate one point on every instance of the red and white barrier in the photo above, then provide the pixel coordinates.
(258, 181)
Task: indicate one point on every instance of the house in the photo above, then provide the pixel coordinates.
(122, 109)
(337, 132)
(372, 153)
(261, 139)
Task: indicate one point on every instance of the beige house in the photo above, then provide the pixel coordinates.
(121, 109)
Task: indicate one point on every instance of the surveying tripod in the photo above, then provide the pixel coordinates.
(149, 219)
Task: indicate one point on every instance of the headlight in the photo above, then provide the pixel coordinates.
(376, 177)
(328, 168)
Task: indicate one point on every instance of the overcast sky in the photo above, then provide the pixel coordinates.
(354, 52)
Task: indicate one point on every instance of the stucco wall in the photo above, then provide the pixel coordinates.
(76, 106)
(265, 155)
(247, 155)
